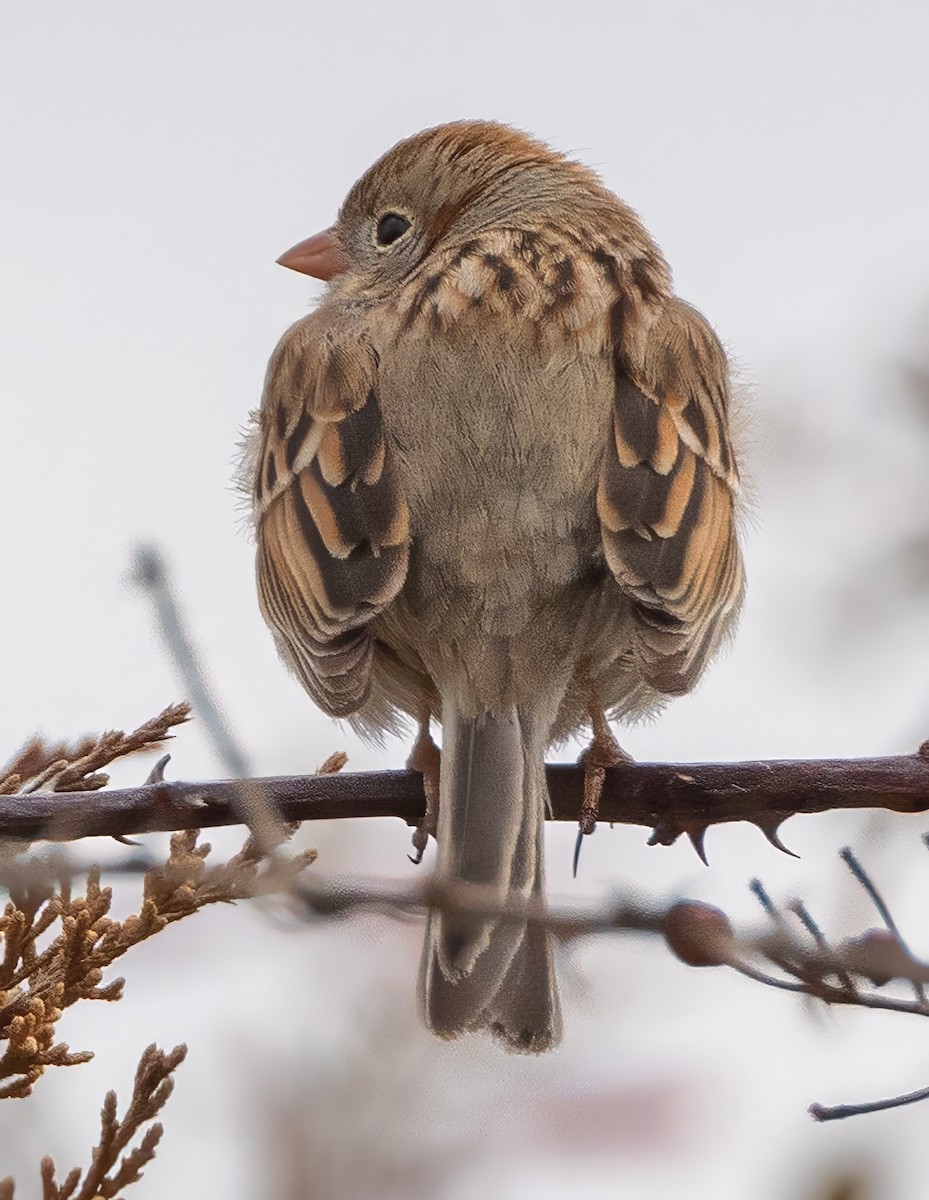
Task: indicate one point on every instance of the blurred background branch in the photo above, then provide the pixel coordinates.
(150, 574)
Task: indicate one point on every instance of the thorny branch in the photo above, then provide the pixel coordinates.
(671, 800)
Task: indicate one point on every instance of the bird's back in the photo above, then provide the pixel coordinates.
(502, 503)
(504, 535)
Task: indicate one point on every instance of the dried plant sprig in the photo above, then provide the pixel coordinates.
(78, 768)
(36, 756)
(112, 1169)
(39, 981)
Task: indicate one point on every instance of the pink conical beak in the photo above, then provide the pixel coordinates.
(322, 256)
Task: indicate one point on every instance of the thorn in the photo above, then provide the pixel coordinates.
(123, 840)
(420, 842)
(664, 834)
(696, 840)
(157, 773)
(577, 852)
(770, 832)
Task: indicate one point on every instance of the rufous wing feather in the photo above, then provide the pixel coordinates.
(332, 523)
(667, 490)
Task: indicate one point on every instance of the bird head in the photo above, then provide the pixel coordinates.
(439, 188)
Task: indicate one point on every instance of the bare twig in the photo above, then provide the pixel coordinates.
(805, 918)
(837, 1112)
(850, 859)
(53, 866)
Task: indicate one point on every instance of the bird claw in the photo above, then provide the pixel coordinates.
(426, 759)
(420, 842)
(577, 851)
(603, 752)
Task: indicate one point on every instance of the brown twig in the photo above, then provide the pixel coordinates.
(669, 799)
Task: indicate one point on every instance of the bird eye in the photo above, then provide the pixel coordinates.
(391, 227)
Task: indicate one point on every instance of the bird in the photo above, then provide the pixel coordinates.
(494, 488)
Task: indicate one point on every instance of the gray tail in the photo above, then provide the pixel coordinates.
(478, 974)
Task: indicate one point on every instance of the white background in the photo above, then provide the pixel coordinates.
(155, 159)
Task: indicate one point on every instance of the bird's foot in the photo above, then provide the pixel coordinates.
(602, 753)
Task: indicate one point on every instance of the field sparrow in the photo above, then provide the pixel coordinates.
(494, 487)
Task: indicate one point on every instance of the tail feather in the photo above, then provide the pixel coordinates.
(491, 974)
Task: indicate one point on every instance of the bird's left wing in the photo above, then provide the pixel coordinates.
(332, 523)
(668, 483)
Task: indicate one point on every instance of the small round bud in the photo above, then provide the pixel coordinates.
(878, 955)
(699, 934)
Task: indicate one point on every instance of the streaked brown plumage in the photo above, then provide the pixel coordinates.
(494, 483)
